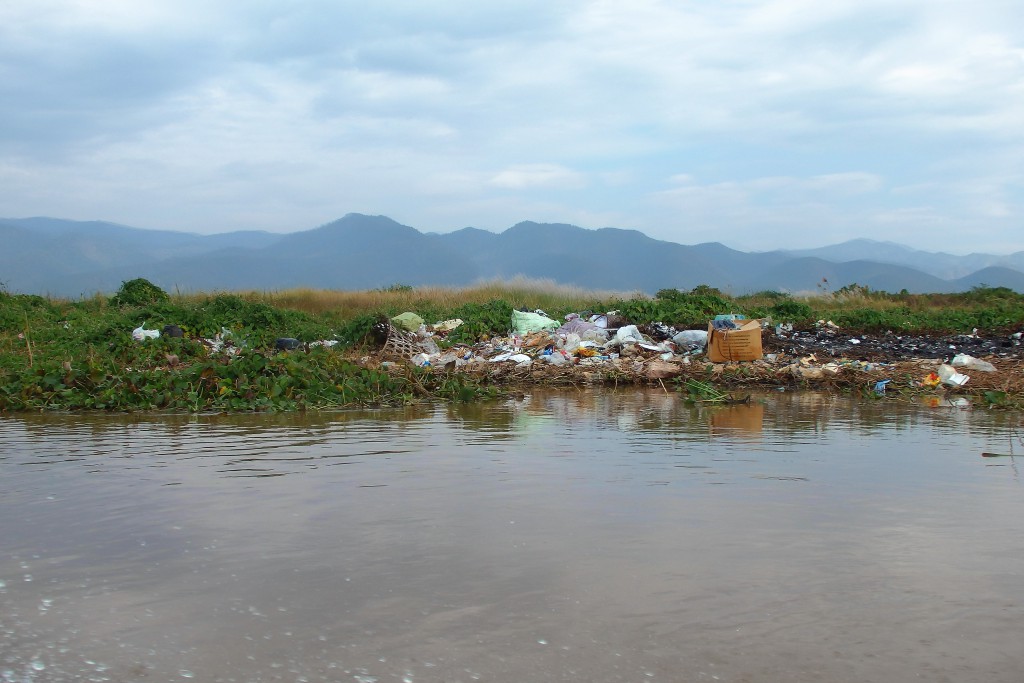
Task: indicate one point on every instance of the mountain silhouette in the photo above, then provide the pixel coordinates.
(79, 258)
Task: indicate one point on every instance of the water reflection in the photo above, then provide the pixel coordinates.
(568, 535)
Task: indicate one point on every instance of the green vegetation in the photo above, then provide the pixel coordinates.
(58, 354)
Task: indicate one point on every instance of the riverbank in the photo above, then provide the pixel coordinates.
(888, 367)
(280, 351)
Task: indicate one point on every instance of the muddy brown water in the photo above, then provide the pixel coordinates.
(594, 536)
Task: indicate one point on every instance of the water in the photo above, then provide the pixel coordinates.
(601, 536)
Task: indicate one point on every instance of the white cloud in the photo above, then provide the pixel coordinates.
(783, 119)
(766, 213)
(526, 176)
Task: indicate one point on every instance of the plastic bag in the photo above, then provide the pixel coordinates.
(524, 322)
(962, 360)
(555, 358)
(688, 340)
(141, 334)
(628, 334)
(407, 321)
(948, 375)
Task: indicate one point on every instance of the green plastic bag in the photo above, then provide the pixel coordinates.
(525, 323)
(407, 321)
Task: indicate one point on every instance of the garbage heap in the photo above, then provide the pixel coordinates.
(606, 348)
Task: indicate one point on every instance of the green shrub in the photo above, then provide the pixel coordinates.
(138, 292)
(791, 311)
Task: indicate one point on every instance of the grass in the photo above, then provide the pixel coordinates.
(520, 292)
(62, 354)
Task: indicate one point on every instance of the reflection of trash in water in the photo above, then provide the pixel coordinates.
(737, 419)
(946, 402)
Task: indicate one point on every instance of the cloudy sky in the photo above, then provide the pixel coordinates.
(759, 124)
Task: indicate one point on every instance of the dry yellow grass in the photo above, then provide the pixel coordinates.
(517, 291)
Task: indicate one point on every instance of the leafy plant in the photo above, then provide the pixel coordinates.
(704, 392)
(138, 292)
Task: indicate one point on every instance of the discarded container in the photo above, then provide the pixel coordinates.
(962, 360)
(949, 376)
(743, 343)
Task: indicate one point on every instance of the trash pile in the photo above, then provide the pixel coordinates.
(826, 338)
(224, 342)
(603, 341)
(733, 350)
(536, 340)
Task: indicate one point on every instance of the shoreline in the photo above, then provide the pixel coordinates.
(145, 350)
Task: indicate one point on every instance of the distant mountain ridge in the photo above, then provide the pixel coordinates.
(939, 264)
(79, 258)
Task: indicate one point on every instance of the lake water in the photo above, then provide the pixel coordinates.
(581, 536)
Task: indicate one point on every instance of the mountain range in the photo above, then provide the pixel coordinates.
(77, 258)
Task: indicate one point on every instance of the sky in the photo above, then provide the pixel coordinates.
(758, 124)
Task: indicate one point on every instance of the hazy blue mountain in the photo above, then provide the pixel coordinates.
(354, 252)
(940, 264)
(241, 239)
(608, 258)
(79, 258)
(72, 258)
(996, 276)
(815, 275)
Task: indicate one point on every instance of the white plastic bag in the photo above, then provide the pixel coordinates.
(141, 334)
(628, 335)
(948, 375)
(688, 340)
(555, 358)
(962, 360)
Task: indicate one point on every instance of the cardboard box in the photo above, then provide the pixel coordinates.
(743, 343)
